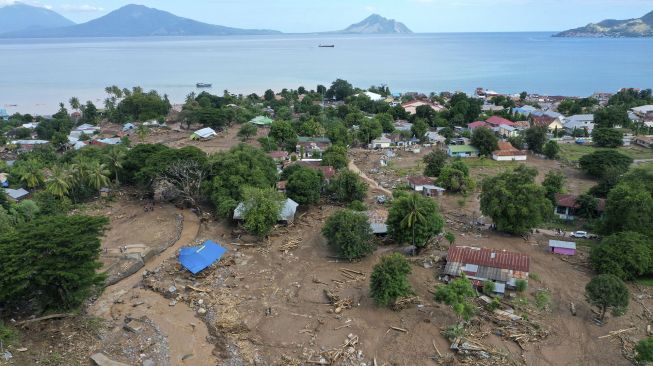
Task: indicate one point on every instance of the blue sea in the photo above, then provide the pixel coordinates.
(37, 74)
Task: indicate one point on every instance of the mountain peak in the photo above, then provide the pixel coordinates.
(376, 24)
(639, 27)
(20, 16)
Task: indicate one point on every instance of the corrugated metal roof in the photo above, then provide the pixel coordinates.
(562, 244)
(490, 258)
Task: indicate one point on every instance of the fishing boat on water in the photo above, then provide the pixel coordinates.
(327, 46)
(203, 85)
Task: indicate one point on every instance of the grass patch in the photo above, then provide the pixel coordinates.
(542, 299)
(646, 281)
(8, 335)
(573, 152)
(535, 277)
(584, 242)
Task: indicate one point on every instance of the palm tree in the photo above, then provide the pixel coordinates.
(74, 103)
(116, 156)
(415, 215)
(31, 174)
(98, 175)
(60, 182)
(142, 131)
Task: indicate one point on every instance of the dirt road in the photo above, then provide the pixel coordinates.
(372, 183)
(185, 333)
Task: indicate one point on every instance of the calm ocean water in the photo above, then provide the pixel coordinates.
(37, 74)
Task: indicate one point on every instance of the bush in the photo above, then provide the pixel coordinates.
(261, 209)
(348, 186)
(627, 255)
(542, 299)
(389, 280)
(488, 287)
(551, 150)
(357, 206)
(645, 350)
(596, 163)
(521, 285)
(458, 294)
(607, 291)
(434, 162)
(304, 186)
(349, 233)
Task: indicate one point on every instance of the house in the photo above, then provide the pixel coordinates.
(645, 141)
(567, 206)
(87, 129)
(506, 131)
(327, 171)
(507, 152)
(474, 125)
(418, 183)
(373, 96)
(203, 134)
(377, 219)
(153, 123)
(491, 108)
(462, 151)
(400, 140)
(403, 126)
(279, 156)
(435, 138)
(286, 214)
(551, 123)
(309, 147)
(381, 143)
(28, 145)
(643, 110)
(31, 125)
(579, 121)
(496, 121)
(562, 247)
(261, 121)
(502, 267)
(4, 115)
(525, 110)
(433, 191)
(16, 194)
(411, 107)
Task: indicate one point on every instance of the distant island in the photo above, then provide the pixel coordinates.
(376, 24)
(128, 21)
(639, 27)
(25, 21)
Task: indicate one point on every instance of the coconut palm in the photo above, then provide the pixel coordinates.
(415, 215)
(60, 181)
(115, 157)
(74, 103)
(31, 174)
(98, 175)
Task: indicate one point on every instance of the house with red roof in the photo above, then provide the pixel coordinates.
(418, 183)
(496, 121)
(502, 267)
(507, 152)
(567, 206)
(474, 125)
(411, 107)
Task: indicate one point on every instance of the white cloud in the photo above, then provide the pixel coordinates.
(32, 3)
(81, 8)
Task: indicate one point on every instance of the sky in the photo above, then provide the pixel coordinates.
(419, 15)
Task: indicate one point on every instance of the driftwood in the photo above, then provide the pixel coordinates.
(617, 332)
(399, 329)
(47, 317)
(436, 349)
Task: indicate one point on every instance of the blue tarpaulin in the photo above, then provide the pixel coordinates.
(196, 259)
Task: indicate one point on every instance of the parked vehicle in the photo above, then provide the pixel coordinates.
(580, 234)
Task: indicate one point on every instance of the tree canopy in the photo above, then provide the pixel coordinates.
(607, 137)
(629, 207)
(261, 209)
(485, 141)
(348, 186)
(414, 219)
(514, 201)
(349, 233)
(607, 291)
(434, 162)
(536, 138)
(627, 255)
(304, 186)
(455, 177)
(458, 294)
(596, 163)
(389, 279)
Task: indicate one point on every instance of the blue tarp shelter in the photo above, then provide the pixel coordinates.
(196, 259)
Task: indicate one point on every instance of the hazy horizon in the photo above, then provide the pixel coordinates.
(423, 16)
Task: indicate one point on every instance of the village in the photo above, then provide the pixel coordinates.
(254, 230)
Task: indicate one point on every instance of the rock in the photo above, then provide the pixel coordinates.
(101, 359)
(172, 303)
(133, 326)
(200, 301)
(201, 311)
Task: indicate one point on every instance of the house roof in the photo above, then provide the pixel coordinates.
(496, 121)
(279, 154)
(462, 149)
(324, 140)
(571, 201)
(16, 193)
(643, 109)
(489, 258)
(420, 181)
(562, 244)
(196, 259)
(205, 132)
(261, 121)
(476, 124)
(506, 149)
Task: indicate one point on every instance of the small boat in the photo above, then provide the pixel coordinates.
(203, 85)
(327, 46)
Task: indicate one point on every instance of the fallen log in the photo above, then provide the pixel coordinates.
(47, 317)
(399, 329)
(617, 332)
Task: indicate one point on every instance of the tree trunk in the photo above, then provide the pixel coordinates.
(603, 308)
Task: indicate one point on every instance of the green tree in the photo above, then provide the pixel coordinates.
(485, 141)
(30, 173)
(389, 280)
(269, 95)
(142, 131)
(420, 128)
(246, 131)
(514, 201)
(115, 157)
(261, 209)
(335, 156)
(62, 252)
(349, 233)
(97, 175)
(644, 350)
(284, 135)
(387, 121)
(368, 130)
(241, 166)
(414, 219)
(629, 207)
(304, 186)
(587, 206)
(455, 177)
(458, 294)
(536, 138)
(551, 150)
(607, 137)
(348, 186)
(607, 291)
(611, 117)
(596, 163)
(554, 182)
(340, 89)
(26, 210)
(60, 181)
(627, 255)
(434, 162)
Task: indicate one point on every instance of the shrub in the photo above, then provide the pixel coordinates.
(349, 233)
(645, 350)
(458, 294)
(389, 280)
(488, 287)
(521, 285)
(542, 299)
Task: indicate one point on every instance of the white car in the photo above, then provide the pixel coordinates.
(580, 234)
